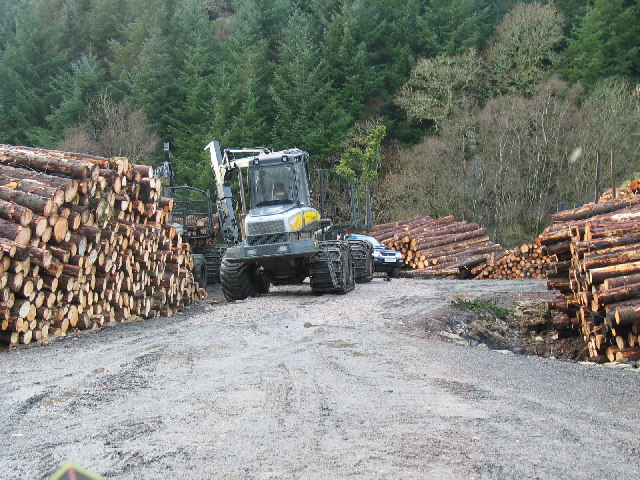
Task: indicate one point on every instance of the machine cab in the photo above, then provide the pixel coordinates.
(278, 180)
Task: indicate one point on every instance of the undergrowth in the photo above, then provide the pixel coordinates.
(481, 307)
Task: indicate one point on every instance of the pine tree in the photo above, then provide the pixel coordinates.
(458, 26)
(606, 43)
(78, 89)
(306, 112)
(28, 61)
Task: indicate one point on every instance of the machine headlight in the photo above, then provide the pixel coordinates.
(295, 222)
(283, 249)
(377, 254)
(253, 251)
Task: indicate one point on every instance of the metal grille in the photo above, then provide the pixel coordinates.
(266, 239)
(262, 228)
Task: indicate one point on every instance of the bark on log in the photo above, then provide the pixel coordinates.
(41, 205)
(594, 209)
(15, 232)
(64, 166)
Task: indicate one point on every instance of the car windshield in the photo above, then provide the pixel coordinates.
(271, 185)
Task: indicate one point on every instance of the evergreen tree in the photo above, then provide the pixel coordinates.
(606, 43)
(196, 61)
(458, 26)
(30, 58)
(78, 89)
(307, 114)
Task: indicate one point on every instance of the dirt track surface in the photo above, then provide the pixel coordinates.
(292, 385)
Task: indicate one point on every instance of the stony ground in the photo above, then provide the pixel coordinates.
(388, 381)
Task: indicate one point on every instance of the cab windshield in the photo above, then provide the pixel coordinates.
(271, 185)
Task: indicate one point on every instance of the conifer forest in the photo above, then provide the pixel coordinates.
(492, 111)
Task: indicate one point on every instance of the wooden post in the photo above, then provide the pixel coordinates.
(613, 177)
(597, 189)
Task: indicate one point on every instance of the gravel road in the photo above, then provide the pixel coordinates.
(292, 385)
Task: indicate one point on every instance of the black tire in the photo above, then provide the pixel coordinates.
(235, 280)
(213, 255)
(342, 261)
(362, 252)
(200, 269)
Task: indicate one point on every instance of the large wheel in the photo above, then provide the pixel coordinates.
(339, 254)
(362, 252)
(200, 269)
(213, 255)
(235, 280)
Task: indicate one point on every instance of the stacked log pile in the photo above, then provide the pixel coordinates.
(625, 191)
(597, 272)
(526, 261)
(84, 240)
(438, 248)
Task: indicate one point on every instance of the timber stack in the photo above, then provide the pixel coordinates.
(442, 247)
(597, 272)
(625, 191)
(526, 261)
(84, 241)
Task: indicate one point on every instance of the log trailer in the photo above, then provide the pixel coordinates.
(194, 217)
(280, 238)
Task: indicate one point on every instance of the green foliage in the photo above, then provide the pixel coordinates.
(458, 26)
(79, 87)
(481, 307)
(605, 43)
(361, 157)
(440, 86)
(306, 73)
(524, 49)
(306, 112)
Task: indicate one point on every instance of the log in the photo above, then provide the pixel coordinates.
(69, 186)
(592, 210)
(62, 166)
(41, 205)
(15, 232)
(597, 275)
(34, 187)
(618, 294)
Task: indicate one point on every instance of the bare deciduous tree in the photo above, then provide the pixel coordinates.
(112, 129)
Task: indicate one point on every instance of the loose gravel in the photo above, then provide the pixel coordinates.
(292, 385)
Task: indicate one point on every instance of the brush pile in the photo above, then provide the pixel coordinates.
(438, 248)
(84, 240)
(596, 249)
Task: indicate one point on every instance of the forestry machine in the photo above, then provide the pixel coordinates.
(280, 239)
(193, 215)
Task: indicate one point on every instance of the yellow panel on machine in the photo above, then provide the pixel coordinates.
(304, 219)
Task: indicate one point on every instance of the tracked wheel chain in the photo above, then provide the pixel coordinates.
(362, 252)
(339, 253)
(213, 255)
